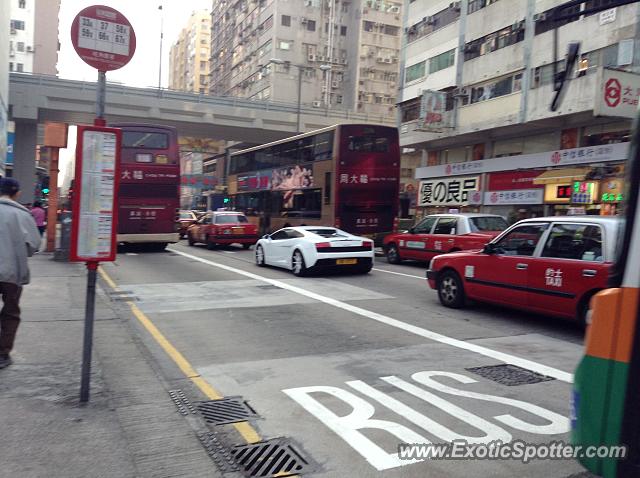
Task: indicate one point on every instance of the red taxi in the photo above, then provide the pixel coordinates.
(443, 233)
(551, 265)
(223, 228)
(186, 219)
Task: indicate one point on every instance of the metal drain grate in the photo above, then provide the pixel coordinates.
(507, 374)
(270, 458)
(218, 452)
(184, 405)
(226, 410)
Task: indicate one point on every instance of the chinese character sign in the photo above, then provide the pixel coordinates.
(619, 92)
(447, 191)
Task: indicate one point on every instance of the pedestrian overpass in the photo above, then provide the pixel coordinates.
(39, 98)
(35, 99)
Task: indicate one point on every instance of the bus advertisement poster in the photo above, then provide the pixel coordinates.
(93, 234)
(295, 177)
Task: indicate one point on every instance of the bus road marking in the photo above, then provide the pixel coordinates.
(400, 274)
(422, 332)
(350, 426)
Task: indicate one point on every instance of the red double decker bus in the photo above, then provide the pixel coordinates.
(345, 176)
(149, 194)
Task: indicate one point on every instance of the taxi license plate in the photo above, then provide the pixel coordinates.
(346, 262)
(238, 231)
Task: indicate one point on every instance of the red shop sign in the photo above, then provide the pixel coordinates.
(507, 181)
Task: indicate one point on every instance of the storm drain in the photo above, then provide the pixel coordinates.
(507, 374)
(219, 453)
(271, 458)
(182, 402)
(226, 410)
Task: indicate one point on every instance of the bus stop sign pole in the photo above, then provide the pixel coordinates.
(104, 39)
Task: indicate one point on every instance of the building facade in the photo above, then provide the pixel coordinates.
(342, 54)
(33, 36)
(5, 19)
(189, 55)
(474, 112)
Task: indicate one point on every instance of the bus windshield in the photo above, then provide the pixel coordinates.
(146, 140)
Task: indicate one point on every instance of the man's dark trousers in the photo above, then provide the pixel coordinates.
(9, 315)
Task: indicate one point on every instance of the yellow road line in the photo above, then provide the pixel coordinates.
(245, 429)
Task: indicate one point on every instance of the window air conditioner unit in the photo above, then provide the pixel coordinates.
(387, 60)
(334, 84)
(311, 57)
(394, 9)
(29, 48)
(430, 20)
(316, 104)
(320, 58)
(304, 20)
(461, 92)
(455, 6)
(379, 59)
(539, 17)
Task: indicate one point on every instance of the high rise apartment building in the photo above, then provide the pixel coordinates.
(346, 52)
(189, 55)
(477, 86)
(33, 36)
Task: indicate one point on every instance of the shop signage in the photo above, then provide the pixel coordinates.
(516, 196)
(558, 193)
(513, 180)
(447, 191)
(611, 190)
(618, 93)
(563, 157)
(583, 192)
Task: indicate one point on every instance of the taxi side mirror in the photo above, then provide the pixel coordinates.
(411, 231)
(266, 236)
(489, 248)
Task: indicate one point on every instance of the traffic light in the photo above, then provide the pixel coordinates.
(226, 200)
(44, 185)
(45, 191)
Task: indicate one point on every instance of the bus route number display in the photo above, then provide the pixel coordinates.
(93, 236)
(103, 37)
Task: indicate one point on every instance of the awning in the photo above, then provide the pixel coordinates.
(565, 176)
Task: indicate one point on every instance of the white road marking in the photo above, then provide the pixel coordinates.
(229, 252)
(428, 334)
(400, 274)
(130, 253)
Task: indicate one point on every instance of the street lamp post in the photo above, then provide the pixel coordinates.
(301, 68)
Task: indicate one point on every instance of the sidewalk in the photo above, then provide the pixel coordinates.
(130, 428)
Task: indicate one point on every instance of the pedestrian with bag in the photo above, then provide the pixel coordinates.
(19, 239)
(39, 214)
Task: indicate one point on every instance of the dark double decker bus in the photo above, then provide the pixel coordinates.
(345, 176)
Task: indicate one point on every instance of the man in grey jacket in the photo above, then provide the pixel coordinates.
(19, 239)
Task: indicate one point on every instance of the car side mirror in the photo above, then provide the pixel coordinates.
(411, 230)
(266, 236)
(489, 248)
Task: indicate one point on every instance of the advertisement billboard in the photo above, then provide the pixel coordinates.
(455, 191)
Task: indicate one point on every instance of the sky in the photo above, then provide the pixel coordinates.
(145, 18)
(142, 70)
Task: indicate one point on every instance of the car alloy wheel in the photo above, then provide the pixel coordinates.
(260, 256)
(297, 264)
(451, 290)
(393, 257)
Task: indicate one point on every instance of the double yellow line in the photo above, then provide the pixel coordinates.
(248, 433)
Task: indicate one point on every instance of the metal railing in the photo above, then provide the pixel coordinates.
(49, 81)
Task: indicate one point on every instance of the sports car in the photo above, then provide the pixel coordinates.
(309, 248)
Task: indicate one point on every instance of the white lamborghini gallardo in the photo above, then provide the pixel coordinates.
(306, 248)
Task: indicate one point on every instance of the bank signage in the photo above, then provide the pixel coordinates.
(516, 196)
(618, 94)
(563, 157)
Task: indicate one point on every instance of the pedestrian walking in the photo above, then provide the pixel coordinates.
(39, 214)
(19, 239)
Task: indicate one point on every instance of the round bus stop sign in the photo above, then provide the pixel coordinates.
(103, 37)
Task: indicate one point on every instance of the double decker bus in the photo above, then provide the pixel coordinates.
(344, 175)
(149, 193)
